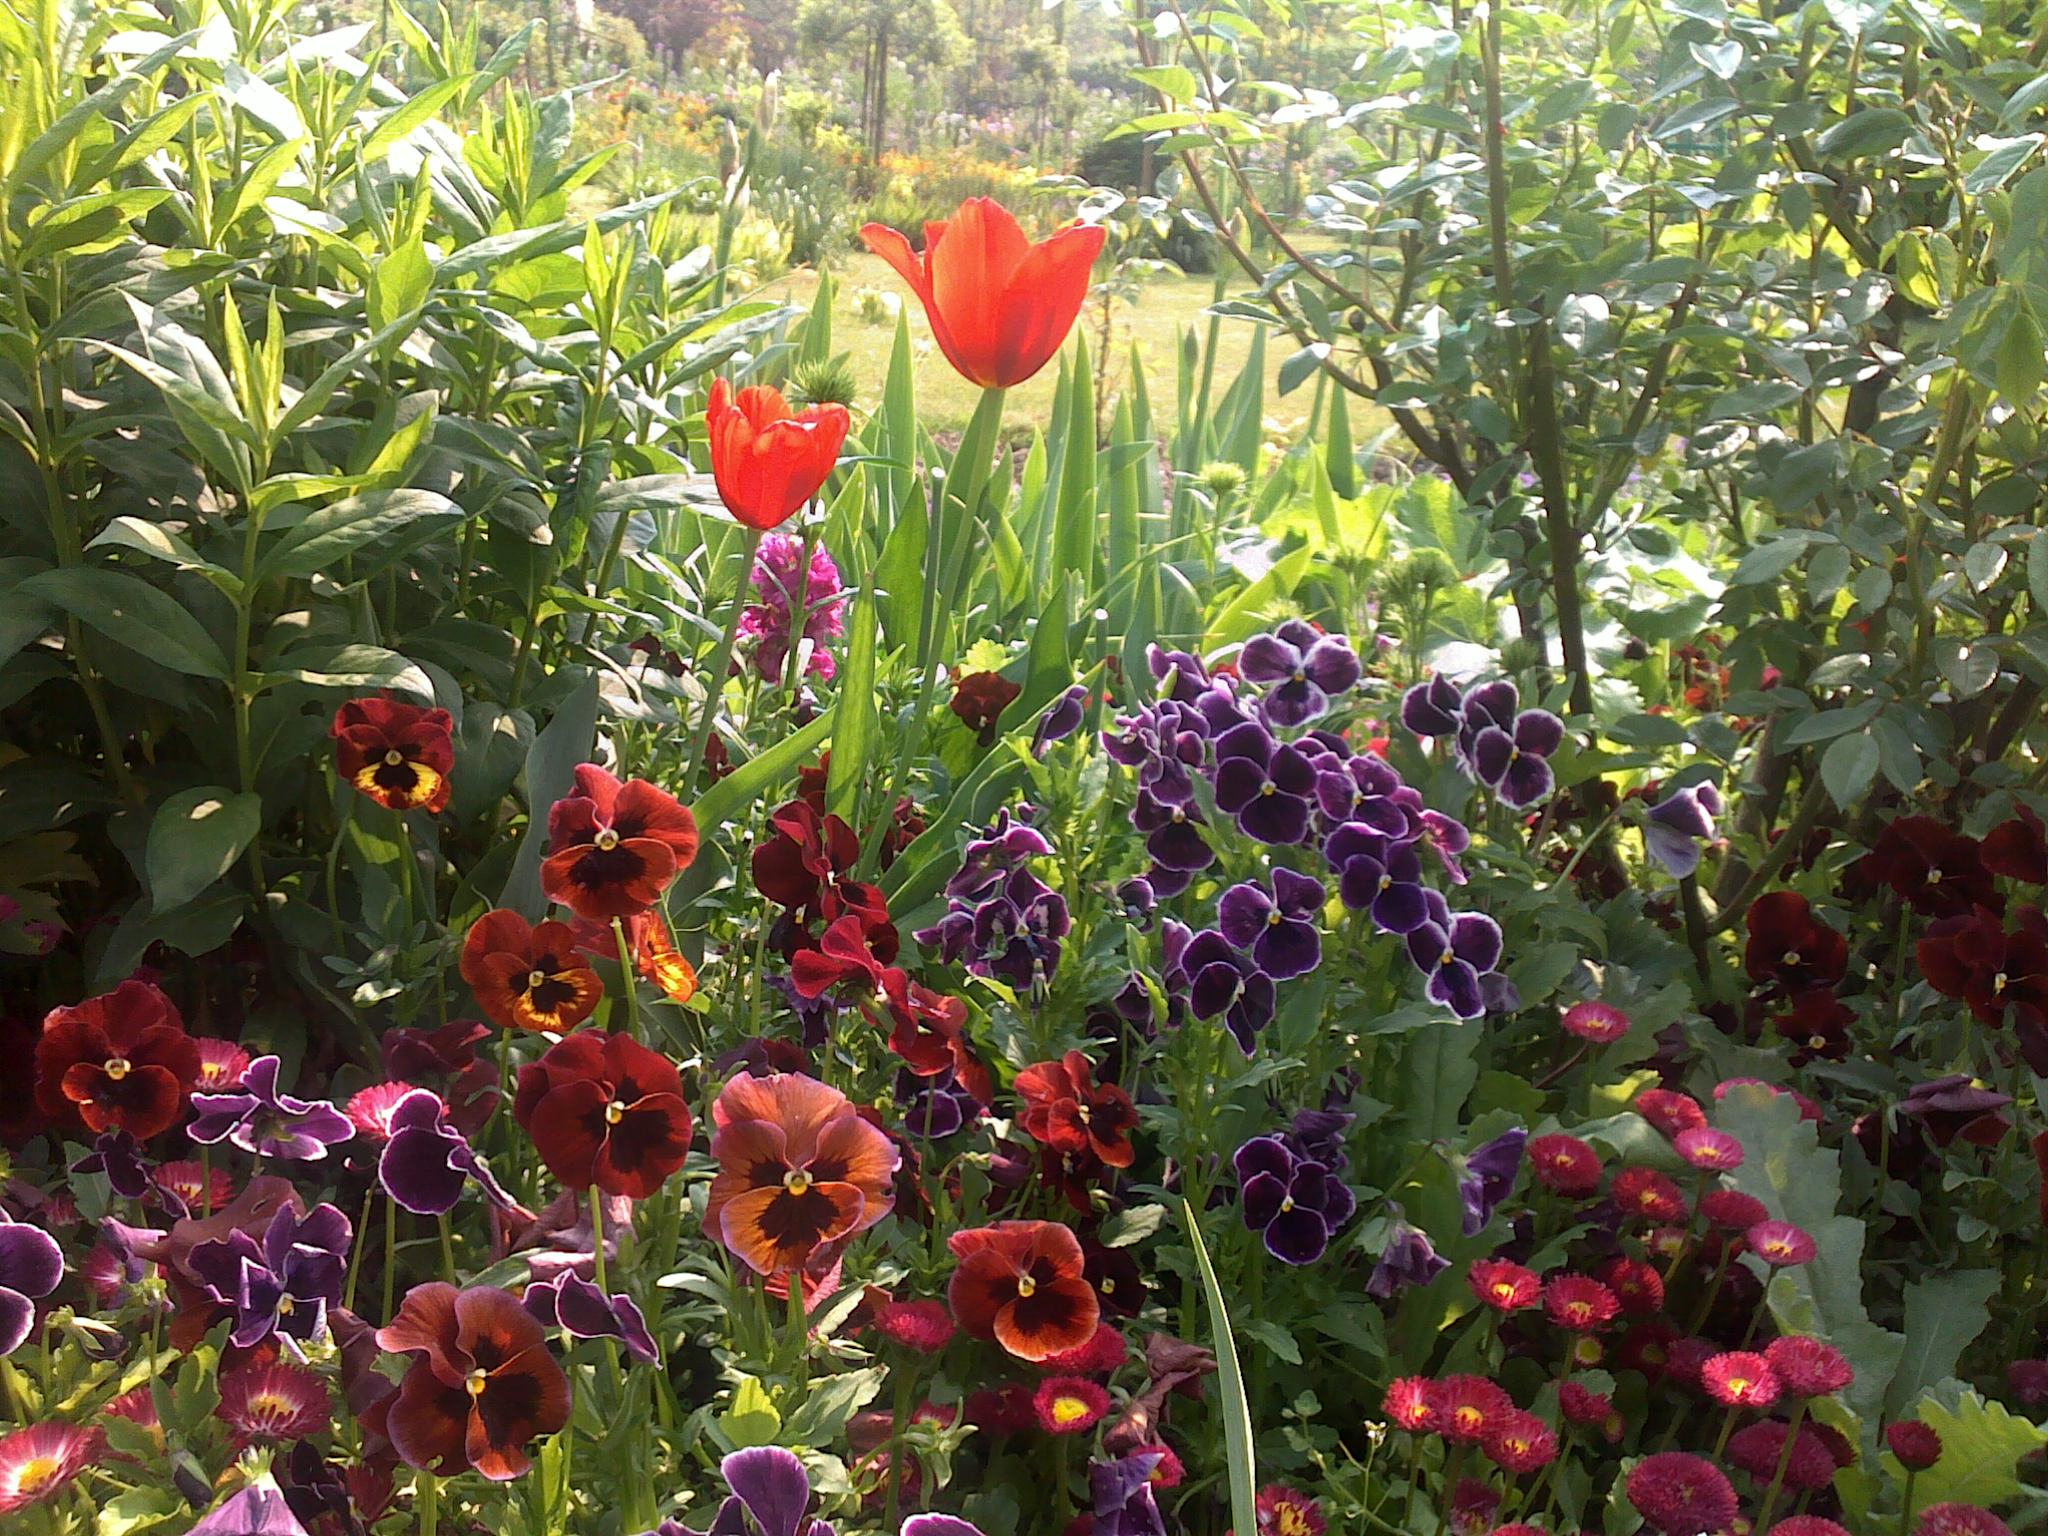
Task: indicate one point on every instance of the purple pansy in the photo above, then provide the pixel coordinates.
(258, 1510)
(1408, 1259)
(1165, 744)
(1295, 1203)
(1678, 824)
(1446, 838)
(934, 1107)
(1278, 927)
(427, 1161)
(1001, 920)
(1431, 708)
(1061, 720)
(31, 1264)
(1173, 838)
(1220, 981)
(771, 1496)
(1514, 760)
(286, 1285)
(1121, 1492)
(118, 1155)
(258, 1118)
(1455, 953)
(1267, 786)
(1488, 1177)
(583, 1311)
(1307, 667)
(1376, 876)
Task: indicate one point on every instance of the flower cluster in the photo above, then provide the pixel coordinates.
(798, 606)
(1001, 919)
(1497, 742)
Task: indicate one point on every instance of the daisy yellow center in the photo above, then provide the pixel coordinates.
(1068, 1410)
(271, 1406)
(475, 1382)
(1026, 1286)
(1504, 1290)
(1289, 1521)
(1738, 1386)
(119, 1068)
(614, 1112)
(393, 758)
(1470, 1418)
(607, 840)
(37, 1474)
(796, 1181)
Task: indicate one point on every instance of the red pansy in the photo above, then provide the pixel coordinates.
(1817, 1026)
(605, 1110)
(844, 960)
(121, 1061)
(1022, 1284)
(805, 864)
(2018, 849)
(979, 699)
(1068, 1111)
(481, 1385)
(652, 947)
(1789, 945)
(1933, 868)
(528, 976)
(398, 754)
(614, 847)
(1995, 971)
(930, 1036)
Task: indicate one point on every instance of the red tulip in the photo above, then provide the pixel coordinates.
(768, 460)
(999, 306)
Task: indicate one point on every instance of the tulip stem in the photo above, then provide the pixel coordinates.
(799, 614)
(626, 978)
(721, 662)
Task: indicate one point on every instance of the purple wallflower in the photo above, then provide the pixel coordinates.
(1061, 720)
(1379, 877)
(771, 623)
(31, 1264)
(1455, 953)
(1678, 824)
(1307, 666)
(1265, 785)
(1121, 1492)
(771, 1496)
(427, 1161)
(1294, 1202)
(284, 1286)
(258, 1118)
(1488, 1177)
(1220, 981)
(1408, 1259)
(583, 1311)
(1278, 927)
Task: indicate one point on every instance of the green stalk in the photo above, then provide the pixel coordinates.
(626, 978)
(1763, 1521)
(721, 660)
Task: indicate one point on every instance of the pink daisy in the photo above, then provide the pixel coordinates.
(1285, 1511)
(1741, 1378)
(923, 1327)
(1809, 1367)
(1781, 1244)
(41, 1461)
(1601, 1023)
(1068, 1405)
(274, 1402)
(221, 1065)
(1681, 1495)
(1707, 1148)
(369, 1110)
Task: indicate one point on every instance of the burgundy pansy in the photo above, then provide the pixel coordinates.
(605, 1110)
(2018, 848)
(614, 847)
(806, 863)
(121, 1061)
(1789, 945)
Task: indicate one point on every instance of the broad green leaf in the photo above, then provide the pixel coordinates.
(566, 740)
(194, 839)
(370, 530)
(1848, 766)
(1982, 1444)
(132, 613)
(1944, 1313)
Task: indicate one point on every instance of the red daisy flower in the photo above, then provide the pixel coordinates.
(397, 754)
(1285, 1511)
(1636, 1285)
(1411, 1402)
(1917, 1445)
(922, 1327)
(1579, 1303)
(1168, 1472)
(1681, 1495)
(1809, 1367)
(481, 1385)
(1732, 1210)
(121, 1061)
(1588, 1409)
(1565, 1165)
(1069, 1405)
(1669, 1111)
(1601, 1023)
(1807, 1525)
(1959, 1520)
(799, 1169)
(1505, 1286)
(221, 1065)
(1789, 945)
(1468, 1407)
(1105, 1351)
(1759, 1448)
(1708, 1148)
(614, 847)
(273, 1402)
(41, 1461)
(192, 1182)
(1740, 1378)
(369, 1110)
(1648, 1195)
(1065, 1109)
(605, 1110)
(1781, 1244)
(528, 976)
(1022, 1284)
(1521, 1443)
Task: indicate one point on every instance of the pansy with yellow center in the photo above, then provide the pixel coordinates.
(397, 754)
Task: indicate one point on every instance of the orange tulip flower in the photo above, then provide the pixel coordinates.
(767, 459)
(999, 306)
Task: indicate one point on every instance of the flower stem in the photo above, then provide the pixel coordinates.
(355, 1259)
(1763, 1520)
(447, 1249)
(390, 1254)
(626, 978)
(721, 661)
(426, 1489)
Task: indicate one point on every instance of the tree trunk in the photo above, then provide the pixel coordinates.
(879, 129)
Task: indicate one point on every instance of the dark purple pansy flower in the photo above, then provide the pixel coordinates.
(1180, 675)
(1366, 790)
(986, 860)
(258, 1510)
(1514, 760)
(1678, 824)
(31, 1264)
(258, 1118)
(1295, 1203)
(1164, 744)
(1172, 838)
(427, 1162)
(118, 1155)
(1278, 926)
(1408, 1259)
(1446, 838)
(934, 1107)
(1376, 876)
(1431, 708)
(1308, 668)
(583, 1311)
(1121, 1492)
(1061, 720)
(1454, 956)
(284, 1286)
(1488, 1177)
(771, 1496)
(1220, 981)
(1264, 784)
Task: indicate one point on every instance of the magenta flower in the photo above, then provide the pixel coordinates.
(774, 622)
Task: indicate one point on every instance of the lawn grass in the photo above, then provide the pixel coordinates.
(1165, 307)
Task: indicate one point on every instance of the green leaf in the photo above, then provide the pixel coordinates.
(857, 722)
(752, 1419)
(194, 839)
(1943, 1314)
(160, 543)
(1872, 131)
(1131, 1225)
(132, 613)
(1982, 1445)
(370, 531)
(565, 741)
(820, 1418)
(1231, 1404)
(1848, 766)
